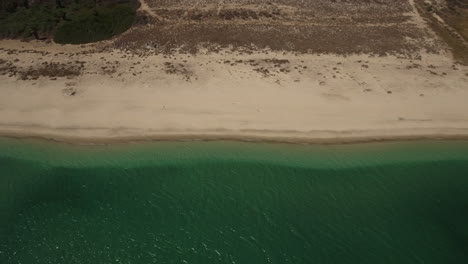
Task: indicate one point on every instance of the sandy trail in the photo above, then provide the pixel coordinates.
(144, 7)
(450, 29)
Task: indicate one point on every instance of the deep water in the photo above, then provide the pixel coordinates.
(230, 202)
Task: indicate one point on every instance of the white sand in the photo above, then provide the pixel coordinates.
(221, 101)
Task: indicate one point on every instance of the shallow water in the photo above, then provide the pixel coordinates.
(230, 202)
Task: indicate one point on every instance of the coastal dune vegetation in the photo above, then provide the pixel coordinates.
(449, 20)
(67, 22)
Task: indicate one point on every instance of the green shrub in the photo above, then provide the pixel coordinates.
(75, 24)
(26, 22)
(94, 24)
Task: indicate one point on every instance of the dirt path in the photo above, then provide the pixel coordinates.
(188, 10)
(145, 7)
(450, 29)
(220, 6)
(418, 19)
(440, 20)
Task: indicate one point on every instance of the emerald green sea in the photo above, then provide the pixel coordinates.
(232, 202)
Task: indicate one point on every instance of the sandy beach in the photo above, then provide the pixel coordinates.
(101, 92)
(216, 96)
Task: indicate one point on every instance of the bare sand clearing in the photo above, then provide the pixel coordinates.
(135, 88)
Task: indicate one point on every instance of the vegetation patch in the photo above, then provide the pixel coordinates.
(95, 24)
(179, 69)
(38, 22)
(52, 70)
(455, 14)
(73, 24)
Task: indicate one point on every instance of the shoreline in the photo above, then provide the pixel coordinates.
(280, 137)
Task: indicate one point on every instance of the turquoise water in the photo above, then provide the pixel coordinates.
(231, 202)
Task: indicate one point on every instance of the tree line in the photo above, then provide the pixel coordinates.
(13, 5)
(66, 21)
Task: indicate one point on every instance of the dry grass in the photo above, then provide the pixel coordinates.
(319, 26)
(52, 70)
(455, 17)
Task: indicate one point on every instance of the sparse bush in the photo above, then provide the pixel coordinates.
(457, 3)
